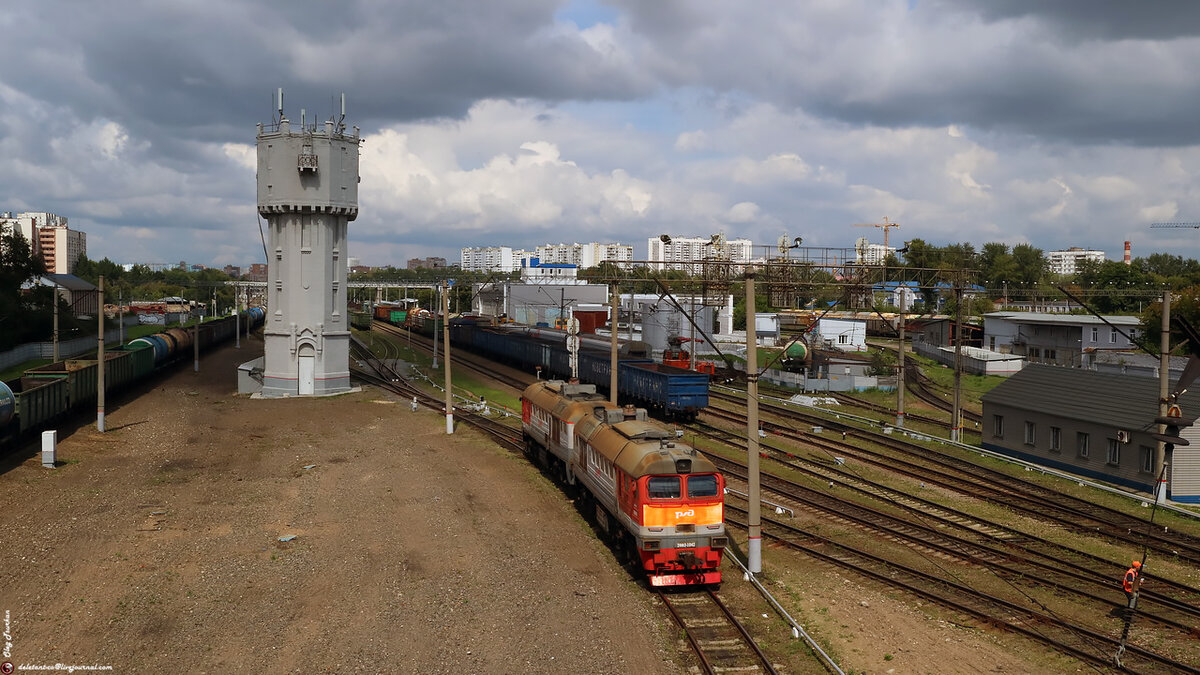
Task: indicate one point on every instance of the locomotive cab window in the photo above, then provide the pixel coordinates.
(702, 486)
(664, 487)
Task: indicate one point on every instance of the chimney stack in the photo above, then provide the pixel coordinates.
(1127, 261)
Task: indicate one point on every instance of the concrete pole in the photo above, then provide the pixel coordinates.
(1164, 388)
(55, 323)
(615, 301)
(435, 301)
(754, 506)
(900, 365)
(956, 415)
(692, 344)
(631, 300)
(237, 318)
(100, 357)
(196, 346)
(446, 337)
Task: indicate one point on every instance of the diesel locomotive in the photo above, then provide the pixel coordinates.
(658, 500)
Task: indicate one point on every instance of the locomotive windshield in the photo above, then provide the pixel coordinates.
(664, 487)
(704, 485)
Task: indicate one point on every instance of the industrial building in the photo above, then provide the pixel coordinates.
(1059, 339)
(1091, 424)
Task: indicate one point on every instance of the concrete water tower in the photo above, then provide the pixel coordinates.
(308, 194)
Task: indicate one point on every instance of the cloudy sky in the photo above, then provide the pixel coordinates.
(523, 122)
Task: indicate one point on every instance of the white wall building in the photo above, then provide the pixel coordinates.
(873, 254)
(48, 235)
(1067, 262)
(491, 259)
(848, 335)
(583, 255)
(533, 272)
(61, 248)
(684, 250)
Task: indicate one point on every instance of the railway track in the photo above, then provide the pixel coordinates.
(924, 389)
(1081, 642)
(951, 535)
(960, 475)
(854, 401)
(384, 376)
(719, 640)
(460, 357)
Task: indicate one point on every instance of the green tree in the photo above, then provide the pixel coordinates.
(1110, 283)
(1185, 304)
(996, 265)
(1030, 264)
(18, 265)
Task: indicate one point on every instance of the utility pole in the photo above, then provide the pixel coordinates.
(100, 363)
(121, 317)
(754, 507)
(55, 334)
(237, 318)
(1164, 376)
(435, 301)
(446, 337)
(900, 363)
(615, 304)
(196, 345)
(692, 346)
(956, 416)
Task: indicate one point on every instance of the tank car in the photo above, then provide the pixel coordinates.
(660, 500)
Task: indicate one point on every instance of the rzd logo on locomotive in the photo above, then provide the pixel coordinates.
(685, 514)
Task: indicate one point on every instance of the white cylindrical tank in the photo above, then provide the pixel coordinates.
(8, 404)
(663, 322)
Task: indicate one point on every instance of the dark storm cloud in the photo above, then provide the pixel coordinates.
(1076, 72)
(1087, 19)
(208, 70)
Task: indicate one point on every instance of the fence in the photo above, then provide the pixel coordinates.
(974, 360)
(66, 348)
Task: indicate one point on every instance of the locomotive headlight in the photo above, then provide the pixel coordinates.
(650, 545)
(719, 542)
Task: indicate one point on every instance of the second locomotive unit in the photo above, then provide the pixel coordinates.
(660, 500)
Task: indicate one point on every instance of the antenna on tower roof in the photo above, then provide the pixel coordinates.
(280, 102)
(340, 125)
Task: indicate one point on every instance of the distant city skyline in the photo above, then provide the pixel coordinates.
(1057, 124)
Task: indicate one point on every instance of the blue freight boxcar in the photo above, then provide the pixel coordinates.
(672, 391)
(677, 391)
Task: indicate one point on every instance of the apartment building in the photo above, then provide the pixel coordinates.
(1067, 262)
(688, 253)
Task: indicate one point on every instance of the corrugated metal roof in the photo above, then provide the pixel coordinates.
(67, 281)
(1122, 401)
(1063, 319)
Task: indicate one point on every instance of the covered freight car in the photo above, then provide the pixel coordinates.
(670, 391)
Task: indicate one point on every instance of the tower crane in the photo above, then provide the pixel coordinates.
(886, 225)
(1163, 226)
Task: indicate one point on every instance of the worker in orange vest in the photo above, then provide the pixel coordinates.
(1132, 580)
